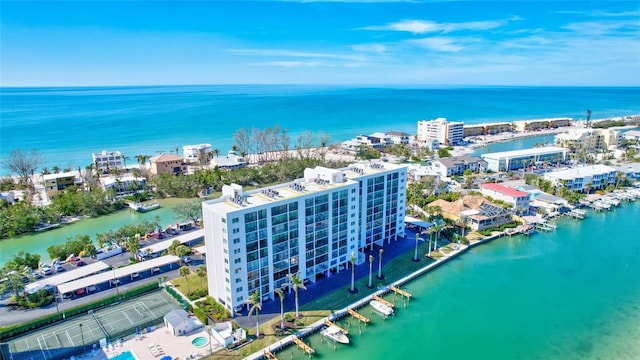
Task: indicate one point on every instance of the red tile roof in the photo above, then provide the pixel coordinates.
(504, 190)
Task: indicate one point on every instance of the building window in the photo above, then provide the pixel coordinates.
(235, 220)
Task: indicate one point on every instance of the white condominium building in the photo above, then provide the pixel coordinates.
(310, 226)
(196, 153)
(446, 132)
(106, 160)
(583, 178)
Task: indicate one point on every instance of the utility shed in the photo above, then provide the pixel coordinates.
(180, 323)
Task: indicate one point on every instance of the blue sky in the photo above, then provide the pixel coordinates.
(78, 43)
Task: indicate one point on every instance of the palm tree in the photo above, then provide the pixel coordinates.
(380, 263)
(201, 271)
(353, 271)
(294, 284)
(256, 306)
(185, 272)
(437, 228)
(132, 246)
(370, 270)
(418, 238)
(280, 294)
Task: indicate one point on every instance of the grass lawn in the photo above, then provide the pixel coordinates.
(195, 283)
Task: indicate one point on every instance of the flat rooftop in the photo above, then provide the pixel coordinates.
(299, 187)
(579, 172)
(525, 152)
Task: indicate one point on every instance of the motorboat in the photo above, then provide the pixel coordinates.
(381, 308)
(336, 334)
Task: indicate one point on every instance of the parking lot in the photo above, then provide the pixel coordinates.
(103, 289)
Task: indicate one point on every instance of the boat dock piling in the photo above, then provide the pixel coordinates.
(376, 297)
(306, 348)
(358, 316)
(544, 226)
(269, 355)
(329, 323)
(401, 292)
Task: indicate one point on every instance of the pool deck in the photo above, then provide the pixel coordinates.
(178, 347)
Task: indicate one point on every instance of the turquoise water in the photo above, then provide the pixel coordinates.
(200, 341)
(127, 355)
(570, 294)
(67, 125)
(37, 243)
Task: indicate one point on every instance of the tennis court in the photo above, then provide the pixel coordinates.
(111, 323)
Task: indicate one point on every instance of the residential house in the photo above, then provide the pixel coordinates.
(519, 200)
(108, 160)
(167, 164)
(480, 213)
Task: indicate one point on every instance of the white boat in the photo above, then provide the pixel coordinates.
(140, 207)
(336, 334)
(381, 308)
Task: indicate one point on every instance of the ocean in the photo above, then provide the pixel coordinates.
(67, 125)
(570, 294)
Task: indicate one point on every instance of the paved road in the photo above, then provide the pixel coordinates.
(9, 315)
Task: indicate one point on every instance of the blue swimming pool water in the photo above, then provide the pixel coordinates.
(127, 355)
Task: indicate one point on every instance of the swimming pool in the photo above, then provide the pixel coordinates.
(127, 355)
(200, 341)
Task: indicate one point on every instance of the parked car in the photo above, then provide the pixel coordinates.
(57, 267)
(91, 288)
(67, 295)
(76, 261)
(46, 270)
(81, 291)
(36, 274)
(186, 259)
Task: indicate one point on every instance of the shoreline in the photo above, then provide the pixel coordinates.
(337, 315)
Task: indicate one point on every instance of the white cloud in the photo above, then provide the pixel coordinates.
(426, 26)
(437, 44)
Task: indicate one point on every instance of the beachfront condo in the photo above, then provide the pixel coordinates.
(585, 178)
(309, 226)
(446, 132)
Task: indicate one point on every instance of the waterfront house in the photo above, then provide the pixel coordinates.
(167, 164)
(108, 160)
(124, 185)
(56, 182)
(398, 137)
(480, 213)
(519, 200)
(310, 226)
(230, 161)
(198, 154)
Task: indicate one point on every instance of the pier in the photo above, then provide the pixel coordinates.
(329, 323)
(389, 304)
(269, 355)
(544, 226)
(577, 214)
(306, 348)
(401, 292)
(358, 316)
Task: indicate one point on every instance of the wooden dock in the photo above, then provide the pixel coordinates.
(401, 292)
(269, 355)
(329, 323)
(376, 297)
(306, 348)
(357, 315)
